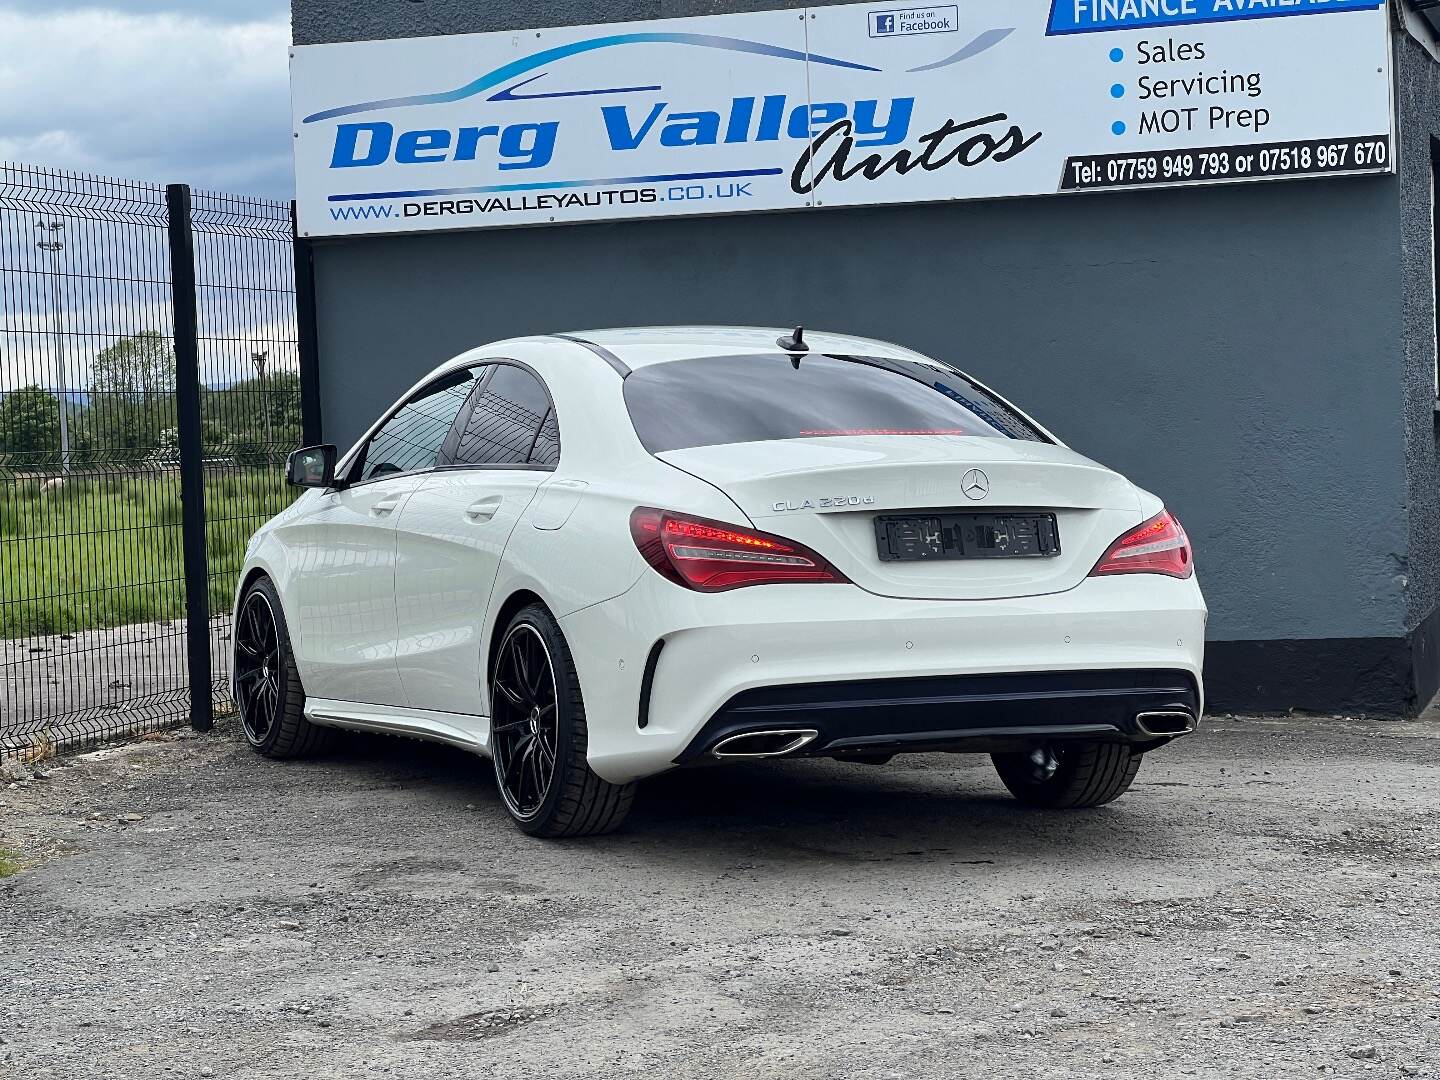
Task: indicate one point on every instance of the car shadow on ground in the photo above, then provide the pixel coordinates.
(938, 806)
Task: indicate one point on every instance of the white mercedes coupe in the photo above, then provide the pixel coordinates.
(595, 557)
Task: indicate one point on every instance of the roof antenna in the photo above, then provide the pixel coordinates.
(795, 345)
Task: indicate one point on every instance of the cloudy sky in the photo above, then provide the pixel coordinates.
(190, 91)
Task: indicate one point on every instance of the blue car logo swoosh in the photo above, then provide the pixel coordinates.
(529, 63)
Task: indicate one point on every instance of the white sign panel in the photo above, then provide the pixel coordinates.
(835, 106)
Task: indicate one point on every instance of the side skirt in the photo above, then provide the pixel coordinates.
(470, 733)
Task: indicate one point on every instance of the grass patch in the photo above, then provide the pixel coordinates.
(9, 863)
(104, 551)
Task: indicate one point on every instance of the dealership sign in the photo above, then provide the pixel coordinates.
(835, 106)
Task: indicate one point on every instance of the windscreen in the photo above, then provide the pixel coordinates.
(712, 400)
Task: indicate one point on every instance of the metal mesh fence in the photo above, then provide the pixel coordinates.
(250, 374)
(92, 597)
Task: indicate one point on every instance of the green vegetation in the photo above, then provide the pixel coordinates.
(102, 550)
(9, 863)
(126, 415)
(101, 546)
(29, 422)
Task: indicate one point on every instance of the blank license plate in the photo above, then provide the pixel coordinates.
(967, 536)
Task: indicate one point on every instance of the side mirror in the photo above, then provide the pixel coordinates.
(312, 467)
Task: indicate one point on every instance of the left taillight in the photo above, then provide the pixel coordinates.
(1157, 546)
(711, 556)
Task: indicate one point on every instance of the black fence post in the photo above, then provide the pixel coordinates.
(192, 464)
(307, 337)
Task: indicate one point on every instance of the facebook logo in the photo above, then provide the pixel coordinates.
(902, 22)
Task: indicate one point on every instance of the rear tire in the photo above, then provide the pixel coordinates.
(268, 696)
(538, 736)
(1069, 776)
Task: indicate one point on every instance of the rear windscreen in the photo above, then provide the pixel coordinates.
(733, 399)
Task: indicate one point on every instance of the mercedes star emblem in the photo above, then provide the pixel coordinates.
(975, 484)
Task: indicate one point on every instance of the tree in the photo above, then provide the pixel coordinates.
(30, 426)
(264, 411)
(132, 384)
(139, 367)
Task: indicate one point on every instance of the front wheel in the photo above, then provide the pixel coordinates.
(268, 694)
(538, 736)
(1069, 776)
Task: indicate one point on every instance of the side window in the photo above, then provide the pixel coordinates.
(510, 423)
(410, 441)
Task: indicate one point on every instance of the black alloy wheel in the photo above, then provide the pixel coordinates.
(268, 694)
(539, 739)
(1043, 763)
(257, 667)
(524, 726)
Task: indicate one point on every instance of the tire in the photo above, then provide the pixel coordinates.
(268, 696)
(549, 719)
(1069, 776)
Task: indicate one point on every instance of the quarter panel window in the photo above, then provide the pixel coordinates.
(547, 444)
(510, 421)
(410, 441)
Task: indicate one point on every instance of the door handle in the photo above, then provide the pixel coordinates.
(384, 505)
(482, 510)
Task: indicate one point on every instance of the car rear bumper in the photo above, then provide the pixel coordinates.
(661, 667)
(872, 717)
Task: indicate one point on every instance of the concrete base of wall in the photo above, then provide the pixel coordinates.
(1396, 676)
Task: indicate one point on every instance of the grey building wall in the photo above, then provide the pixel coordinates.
(1251, 353)
(1418, 108)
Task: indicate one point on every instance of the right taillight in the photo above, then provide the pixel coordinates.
(713, 556)
(1158, 546)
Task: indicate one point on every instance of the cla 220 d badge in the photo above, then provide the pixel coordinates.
(823, 504)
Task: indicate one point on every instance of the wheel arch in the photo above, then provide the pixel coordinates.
(273, 570)
(515, 602)
(254, 574)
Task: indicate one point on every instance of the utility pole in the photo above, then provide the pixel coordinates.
(259, 359)
(50, 242)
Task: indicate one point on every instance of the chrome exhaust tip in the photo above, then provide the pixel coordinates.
(763, 744)
(1165, 723)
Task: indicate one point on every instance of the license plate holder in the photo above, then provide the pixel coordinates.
(961, 535)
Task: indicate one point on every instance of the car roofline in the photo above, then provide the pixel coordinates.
(717, 340)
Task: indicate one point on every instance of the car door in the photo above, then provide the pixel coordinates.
(453, 530)
(344, 551)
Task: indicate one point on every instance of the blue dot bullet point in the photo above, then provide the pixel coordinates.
(1116, 55)
(1117, 90)
(1118, 127)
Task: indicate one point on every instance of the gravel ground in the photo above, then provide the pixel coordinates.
(1262, 904)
